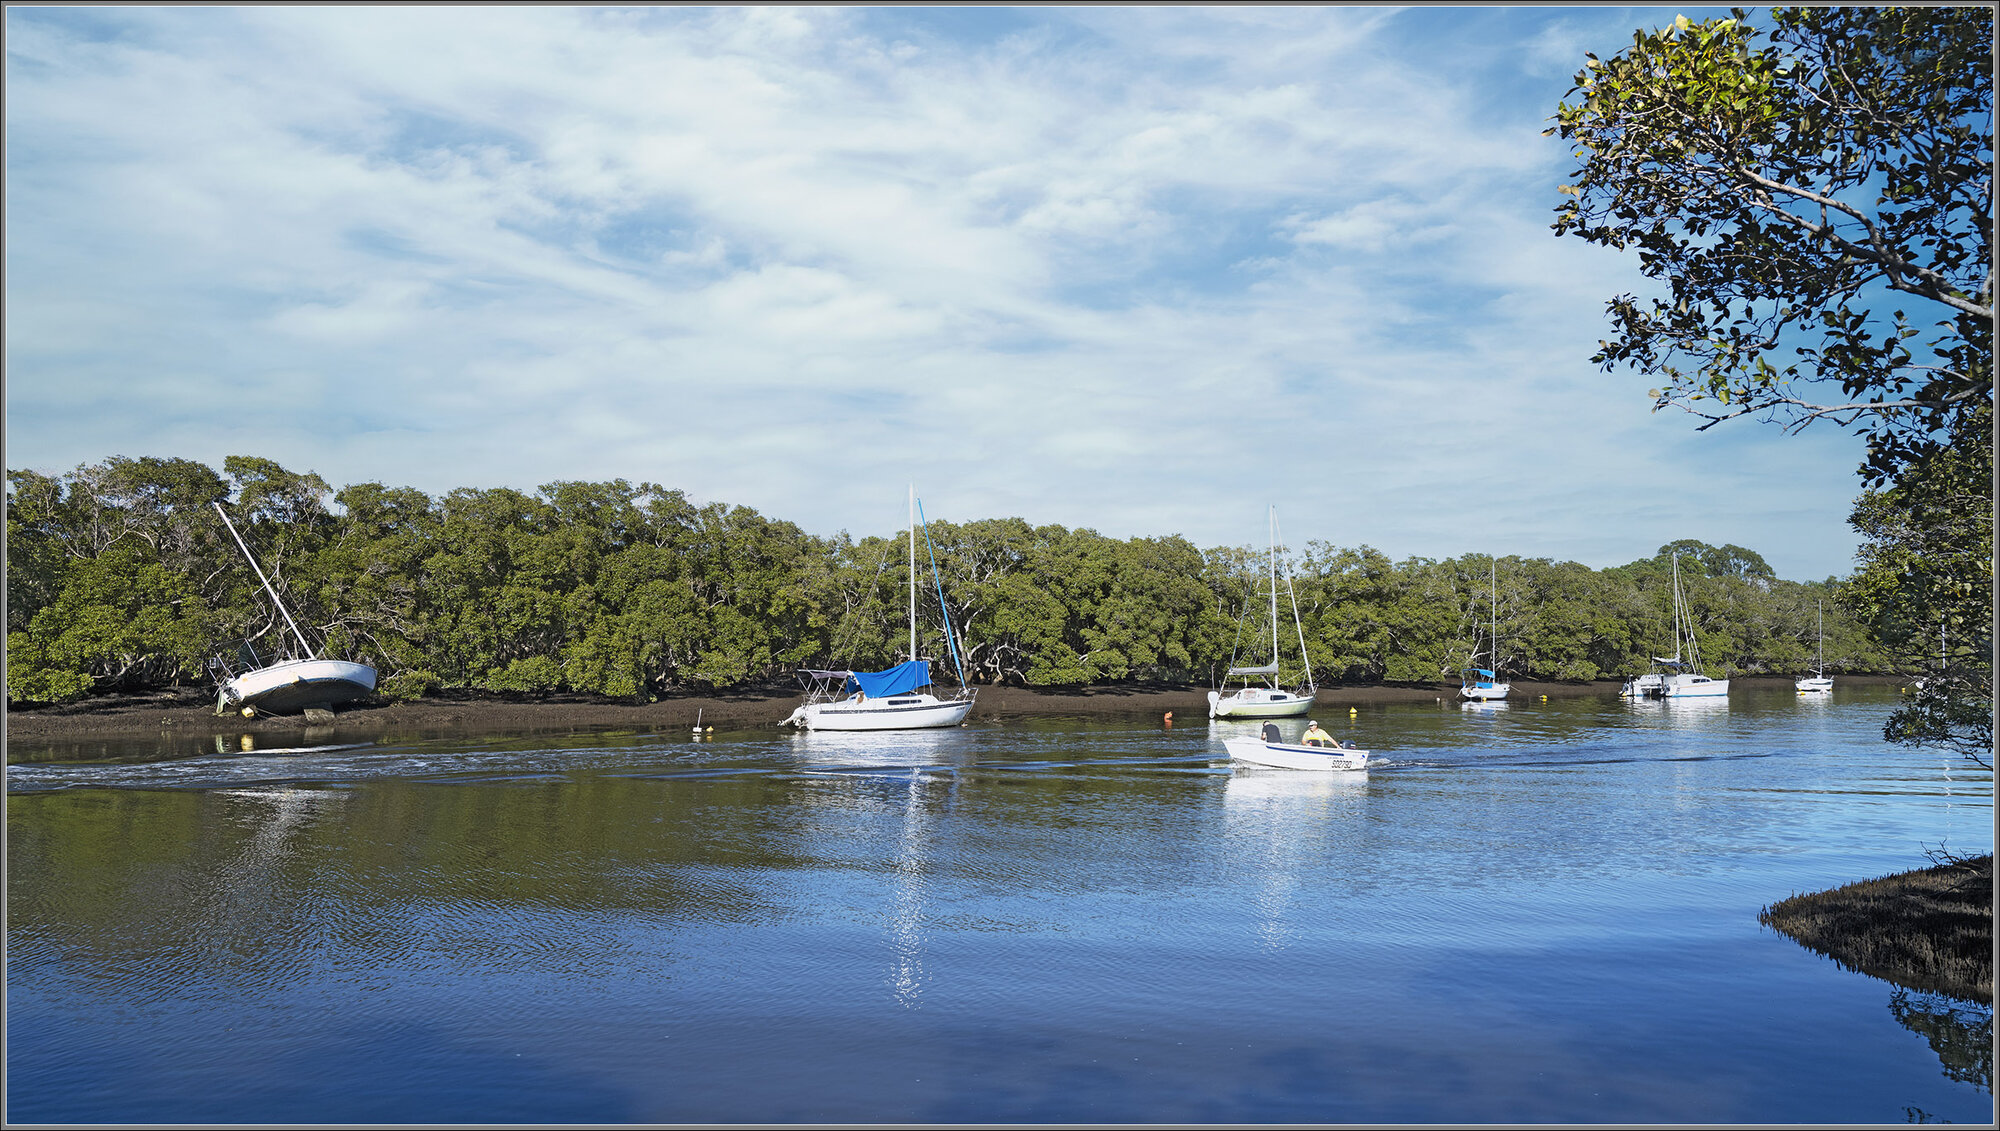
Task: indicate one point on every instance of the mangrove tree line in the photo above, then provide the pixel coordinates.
(121, 577)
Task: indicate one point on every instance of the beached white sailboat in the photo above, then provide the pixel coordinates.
(1686, 680)
(1268, 700)
(895, 698)
(1818, 682)
(1483, 684)
(303, 682)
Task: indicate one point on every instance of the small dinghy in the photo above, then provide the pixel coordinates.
(1270, 750)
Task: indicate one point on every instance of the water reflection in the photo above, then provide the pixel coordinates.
(1290, 825)
(910, 914)
(1959, 1032)
(1677, 714)
(934, 926)
(887, 748)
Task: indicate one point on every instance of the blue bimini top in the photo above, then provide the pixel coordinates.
(894, 681)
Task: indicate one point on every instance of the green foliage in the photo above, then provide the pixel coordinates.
(1789, 190)
(1794, 192)
(1924, 589)
(122, 576)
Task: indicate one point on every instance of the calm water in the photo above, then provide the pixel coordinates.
(1545, 912)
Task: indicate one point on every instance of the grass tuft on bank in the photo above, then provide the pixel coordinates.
(1929, 929)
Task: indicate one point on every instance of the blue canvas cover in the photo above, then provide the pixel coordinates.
(895, 681)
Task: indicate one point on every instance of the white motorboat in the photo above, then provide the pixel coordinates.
(1818, 682)
(1268, 701)
(1482, 683)
(306, 682)
(894, 698)
(1269, 750)
(1686, 681)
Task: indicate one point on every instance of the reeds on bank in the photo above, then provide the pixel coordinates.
(1929, 929)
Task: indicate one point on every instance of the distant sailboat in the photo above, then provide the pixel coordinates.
(892, 699)
(1269, 701)
(1483, 684)
(303, 682)
(1687, 681)
(1818, 681)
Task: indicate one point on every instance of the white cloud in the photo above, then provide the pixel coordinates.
(1119, 268)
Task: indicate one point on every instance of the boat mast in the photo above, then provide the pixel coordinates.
(1274, 592)
(1677, 608)
(1293, 593)
(252, 559)
(913, 572)
(1819, 664)
(1493, 607)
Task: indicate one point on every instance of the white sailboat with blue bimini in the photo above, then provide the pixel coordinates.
(897, 698)
(1268, 700)
(1482, 684)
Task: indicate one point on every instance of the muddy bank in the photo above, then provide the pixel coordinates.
(1931, 929)
(192, 712)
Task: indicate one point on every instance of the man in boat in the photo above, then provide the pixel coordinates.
(1317, 737)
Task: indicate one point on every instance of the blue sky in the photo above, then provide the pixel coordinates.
(1143, 270)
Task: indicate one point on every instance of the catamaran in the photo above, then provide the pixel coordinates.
(1686, 680)
(1482, 684)
(1268, 701)
(300, 682)
(1818, 681)
(894, 698)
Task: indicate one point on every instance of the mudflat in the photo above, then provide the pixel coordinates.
(191, 711)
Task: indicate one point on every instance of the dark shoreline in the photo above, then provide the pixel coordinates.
(191, 712)
(1929, 930)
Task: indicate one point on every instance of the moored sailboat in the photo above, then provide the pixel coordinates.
(1483, 684)
(1269, 700)
(894, 698)
(1818, 682)
(1686, 680)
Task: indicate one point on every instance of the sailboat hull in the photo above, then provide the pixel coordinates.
(897, 712)
(1257, 703)
(298, 685)
(1694, 687)
(1812, 685)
